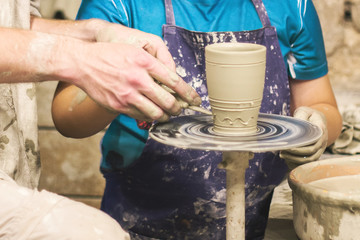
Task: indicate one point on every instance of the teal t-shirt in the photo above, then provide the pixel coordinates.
(296, 22)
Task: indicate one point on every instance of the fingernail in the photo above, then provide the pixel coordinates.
(197, 101)
(183, 104)
(164, 118)
(180, 105)
(178, 112)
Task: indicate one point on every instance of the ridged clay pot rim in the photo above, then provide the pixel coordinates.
(235, 53)
(317, 195)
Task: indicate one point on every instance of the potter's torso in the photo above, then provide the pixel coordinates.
(19, 156)
(296, 23)
(185, 187)
(299, 36)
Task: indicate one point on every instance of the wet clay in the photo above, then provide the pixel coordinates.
(80, 97)
(235, 74)
(3, 141)
(235, 164)
(348, 185)
(39, 47)
(326, 199)
(111, 34)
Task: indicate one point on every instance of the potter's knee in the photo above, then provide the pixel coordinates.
(74, 220)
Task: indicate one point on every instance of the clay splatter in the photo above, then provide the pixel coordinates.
(31, 92)
(40, 47)
(3, 141)
(78, 99)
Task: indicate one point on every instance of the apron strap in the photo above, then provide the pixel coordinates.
(169, 11)
(259, 6)
(261, 11)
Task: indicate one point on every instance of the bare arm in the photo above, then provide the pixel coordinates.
(84, 29)
(97, 30)
(75, 114)
(319, 95)
(28, 56)
(118, 76)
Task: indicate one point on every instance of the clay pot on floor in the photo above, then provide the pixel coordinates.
(326, 199)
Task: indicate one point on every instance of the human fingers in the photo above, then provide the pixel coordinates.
(311, 115)
(305, 154)
(157, 48)
(117, 78)
(151, 43)
(141, 109)
(169, 103)
(138, 115)
(306, 150)
(173, 81)
(145, 85)
(144, 109)
(144, 103)
(165, 57)
(163, 69)
(303, 113)
(311, 152)
(164, 75)
(300, 159)
(318, 119)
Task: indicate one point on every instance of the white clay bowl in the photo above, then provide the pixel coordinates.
(326, 199)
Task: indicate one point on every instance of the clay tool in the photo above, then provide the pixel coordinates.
(199, 109)
(183, 103)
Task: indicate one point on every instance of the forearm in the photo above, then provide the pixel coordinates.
(81, 29)
(28, 56)
(333, 120)
(25, 55)
(318, 95)
(76, 115)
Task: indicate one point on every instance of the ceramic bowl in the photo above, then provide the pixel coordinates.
(326, 199)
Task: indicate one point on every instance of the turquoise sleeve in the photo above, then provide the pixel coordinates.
(111, 11)
(307, 57)
(123, 141)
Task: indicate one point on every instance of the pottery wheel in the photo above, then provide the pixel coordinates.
(274, 132)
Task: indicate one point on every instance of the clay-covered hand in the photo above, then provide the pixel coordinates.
(119, 69)
(154, 45)
(297, 156)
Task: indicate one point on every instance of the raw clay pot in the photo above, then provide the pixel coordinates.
(235, 74)
(326, 199)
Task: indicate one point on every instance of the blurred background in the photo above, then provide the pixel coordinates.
(71, 167)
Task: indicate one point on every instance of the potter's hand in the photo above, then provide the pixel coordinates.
(122, 72)
(154, 45)
(301, 155)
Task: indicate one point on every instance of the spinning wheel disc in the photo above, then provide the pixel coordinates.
(274, 132)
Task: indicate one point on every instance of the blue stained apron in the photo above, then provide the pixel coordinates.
(172, 193)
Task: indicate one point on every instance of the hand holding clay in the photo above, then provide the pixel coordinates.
(301, 155)
(117, 33)
(132, 86)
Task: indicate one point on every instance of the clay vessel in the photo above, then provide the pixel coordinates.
(235, 74)
(326, 199)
